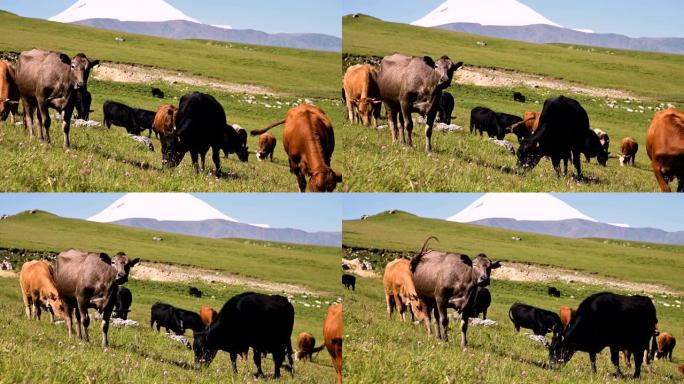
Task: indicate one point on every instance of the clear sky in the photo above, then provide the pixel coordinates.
(316, 212)
(635, 18)
(292, 16)
(663, 211)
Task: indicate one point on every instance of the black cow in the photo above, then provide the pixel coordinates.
(608, 320)
(483, 299)
(349, 281)
(200, 125)
(82, 103)
(156, 92)
(190, 320)
(192, 291)
(494, 123)
(563, 131)
(540, 321)
(553, 291)
(122, 305)
(249, 320)
(144, 119)
(446, 107)
(120, 114)
(517, 96)
(166, 316)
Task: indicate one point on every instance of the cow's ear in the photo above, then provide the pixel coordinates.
(105, 257)
(65, 59)
(458, 65)
(338, 177)
(466, 260)
(428, 60)
(94, 63)
(133, 262)
(496, 264)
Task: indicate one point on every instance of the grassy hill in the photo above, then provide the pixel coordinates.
(496, 354)
(465, 162)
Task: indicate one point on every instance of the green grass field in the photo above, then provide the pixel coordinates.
(465, 162)
(401, 352)
(107, 160)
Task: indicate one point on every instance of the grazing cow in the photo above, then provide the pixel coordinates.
(400, 292)
(608, 320)
(208, 315)
(553, 291)
(9, 93)
(164, 120)
(332, 334)
(38, 290)
(349, 281)
(563, 131)
(665, 147)
(249, 320)
(192, 291)
(167, 316)
(82, 103)
(517, 96)
(628, 150)
(413, 84)
(531, 120)
(483, 299)
(449, 280)
(191, 320)
(306, 346)
(200, 125)
(90, 280)
(158, 93)
(604, 140)
(122, 305)
(47, 80)
(267, 144)
(120, 114)
(496, 124)
(540, 321)
(360, 85)
(566, 314)
(446, 107)
(144, 119)
(665, 344)
(309, 142)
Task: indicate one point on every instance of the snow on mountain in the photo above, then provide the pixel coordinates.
(222, 26)
(123, 10)
(485, 12)
(159, 206)
(518, 206)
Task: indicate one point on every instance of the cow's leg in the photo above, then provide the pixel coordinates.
(390, 306)
(27, 305)
(36, 310)
(637, 361)
(301, 179)
(106, 315)
(555, 161)
(392, 122)
(626, 353)
(441, 307)
(577, 162)
(77, 313)
(233, 361)
(69, 321)
(428, 130)
(85, 319)
(66, 124)
(664, 186)
(592, 358)
(399, 305)
(408, 124)
(256, 356)
(484, 314)
(615, 359)
(428, 320)
(203, 156)
(193, 156)
(28, 117)
(350, 108)
(438, 327)
(464, 331)
(44, 120)
(680, 184)
(278, 359)
(216, 157)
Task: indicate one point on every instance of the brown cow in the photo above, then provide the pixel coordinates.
(306, 346)
(38, 289)
(164, 120)
(90, 280)
(207, 314)
(361, 91)
(566, 314)
(9, 93)
(665, 147)
(446, 279)
(666, 343)
(332, 334)
(47, 80)
(628, 150)
(267, 144)
(413, 84)
(531, 120)
(400, 290)
(309, 142)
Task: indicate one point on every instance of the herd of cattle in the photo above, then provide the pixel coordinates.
(82, 280)
(432, 281)
(41, 80)
(561, 131)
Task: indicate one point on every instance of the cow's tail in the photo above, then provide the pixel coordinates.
(318, 349)
(289, 356)
(264, 130)
(510, 314)
(415, 260)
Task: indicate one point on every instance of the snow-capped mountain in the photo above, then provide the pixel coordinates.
(186, 214)
(485, 12)
(122, 10)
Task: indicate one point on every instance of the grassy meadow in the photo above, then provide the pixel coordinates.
(382, 350)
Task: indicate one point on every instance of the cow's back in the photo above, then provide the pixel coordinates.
(37, 69)
(397, 73)
(35, 277)
(8, 86)
(361, 80)
(308, 131)
(398, 275)
(77, 272)
(437, 271)
(665, 137)
(200, 120)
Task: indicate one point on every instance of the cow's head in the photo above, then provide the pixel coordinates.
(235, 141)
(121, 264)
(602, 157)
(482, 269)
(80, 70)
(446, 68)
(56, 306)
(172, 153)
(559, 352)
(203, 353)
(367, 107)
(528, 154)
(324, 180)
(418, 307)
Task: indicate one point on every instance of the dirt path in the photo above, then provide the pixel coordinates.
(127, 73)
(487, 77)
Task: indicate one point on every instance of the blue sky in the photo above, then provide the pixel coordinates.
(635, 18)
(662, 211)
(313, 212)
(312, 16)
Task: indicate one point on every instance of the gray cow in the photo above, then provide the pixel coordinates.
(444, 280)
(90, 280)
(413, 84)
(47, 80)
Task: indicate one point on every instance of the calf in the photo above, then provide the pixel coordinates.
(249, 320)
(608, 320)
(144, 119)
(166, 316)
(540, 321)
(496, 124)
(120, 114)
(517, 96)
(665, 148)
(665, 344)
(192, 291)
(267, 144)
(309, 142)
(400, 292)
(122, 305)
(349, 281)
(483, 299)
(628, 150)
(158, 93)
(9, 93)
(207, 314)
(306, 346)
(553, 291)
(38, 290)
(82, 103)
(361, 93)
(566, 314)
(191, 320)
(446, 107)
(602, 155)
(164, 120)
(332, 334)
